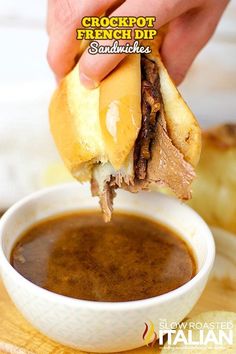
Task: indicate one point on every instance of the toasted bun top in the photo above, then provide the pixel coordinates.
(183, 128)
(97, 125)
(75, 126)
(120, 109)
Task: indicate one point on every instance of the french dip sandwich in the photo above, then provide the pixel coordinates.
(133, 131)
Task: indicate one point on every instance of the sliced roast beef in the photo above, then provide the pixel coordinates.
(151, 103)
(167, 166)
(106, 197)
(104, 185)
(155, 158)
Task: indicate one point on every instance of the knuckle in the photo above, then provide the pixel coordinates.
(179, 76)
(65, 12)
(51, 59)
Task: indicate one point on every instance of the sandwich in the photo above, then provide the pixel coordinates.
(214, 189)
(132, 132)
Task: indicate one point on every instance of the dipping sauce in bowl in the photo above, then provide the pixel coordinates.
(79, 256)
(51, 240)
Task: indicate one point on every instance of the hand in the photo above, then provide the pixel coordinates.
(191, 25)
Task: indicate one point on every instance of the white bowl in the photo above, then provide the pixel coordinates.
(102, 326)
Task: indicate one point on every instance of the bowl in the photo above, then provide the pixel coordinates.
(102, 326)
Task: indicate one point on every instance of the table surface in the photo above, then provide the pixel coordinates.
(17, 336)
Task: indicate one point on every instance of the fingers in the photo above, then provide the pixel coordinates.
(63, 19)
(192, 23)
(187, 35)
(94, 68)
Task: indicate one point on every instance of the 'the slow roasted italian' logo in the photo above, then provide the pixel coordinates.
(191, 333)
(149, 334)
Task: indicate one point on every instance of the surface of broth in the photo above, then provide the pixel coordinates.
(80, 256)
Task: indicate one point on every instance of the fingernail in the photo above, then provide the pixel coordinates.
(87, 82)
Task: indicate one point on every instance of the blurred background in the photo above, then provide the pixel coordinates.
(28, 158)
